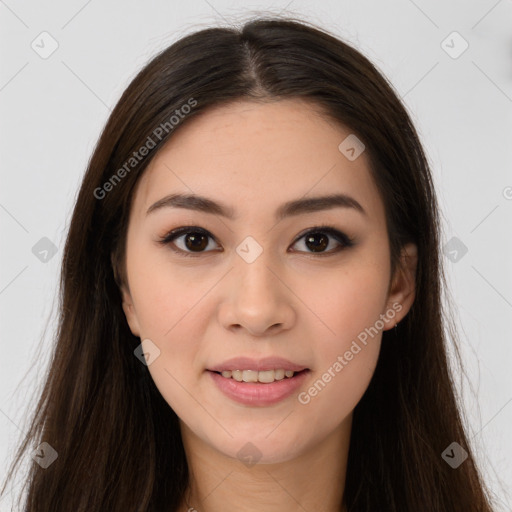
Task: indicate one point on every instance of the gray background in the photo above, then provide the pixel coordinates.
(52, 111)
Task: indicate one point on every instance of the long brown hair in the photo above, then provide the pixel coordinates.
(118, 442)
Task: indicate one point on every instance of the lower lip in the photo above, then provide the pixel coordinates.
(257, 393)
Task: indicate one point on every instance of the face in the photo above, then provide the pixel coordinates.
(311, 286)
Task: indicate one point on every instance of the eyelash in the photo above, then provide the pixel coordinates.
(339, 236)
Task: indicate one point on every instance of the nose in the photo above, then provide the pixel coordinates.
(257, 299)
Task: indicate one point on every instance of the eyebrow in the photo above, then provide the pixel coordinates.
(295, 207)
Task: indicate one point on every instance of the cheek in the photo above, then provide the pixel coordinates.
(172, 315)
(336, 389)
(172, 311)
(347, 300)
(349, 303)
(162, 295)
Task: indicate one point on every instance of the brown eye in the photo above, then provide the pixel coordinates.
(317, 242)
(196, 241)
(188, 240)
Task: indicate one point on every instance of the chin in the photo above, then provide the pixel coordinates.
(253, 450)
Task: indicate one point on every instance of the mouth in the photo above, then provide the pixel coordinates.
(260, 377)
(259, 388)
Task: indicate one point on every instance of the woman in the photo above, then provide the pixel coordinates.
(251, 312)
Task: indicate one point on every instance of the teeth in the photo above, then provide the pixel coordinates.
(279, 374)
(266, 376)
(237, 375)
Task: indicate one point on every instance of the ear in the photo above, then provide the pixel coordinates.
(129, 311)
(402, 290)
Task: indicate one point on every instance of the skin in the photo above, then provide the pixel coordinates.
(291, 302)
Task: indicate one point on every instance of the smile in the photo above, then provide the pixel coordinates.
(255, 393)
(265, 377)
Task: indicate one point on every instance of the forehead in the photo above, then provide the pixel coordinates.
(256, 156)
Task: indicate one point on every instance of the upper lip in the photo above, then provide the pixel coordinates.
(246, 363)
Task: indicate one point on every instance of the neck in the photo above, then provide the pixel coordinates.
(314, 480)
